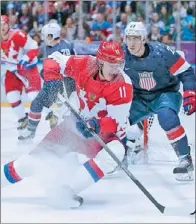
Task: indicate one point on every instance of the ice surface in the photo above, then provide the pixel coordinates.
(113, 200)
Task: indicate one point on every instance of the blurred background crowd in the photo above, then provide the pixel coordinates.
(90, 21)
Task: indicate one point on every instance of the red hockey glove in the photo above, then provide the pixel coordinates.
(189, 101)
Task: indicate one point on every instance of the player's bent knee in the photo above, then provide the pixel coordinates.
(105, 162)
(168, 119)
(13, 96)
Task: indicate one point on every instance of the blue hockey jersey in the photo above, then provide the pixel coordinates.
(160, 71)
(64, 47)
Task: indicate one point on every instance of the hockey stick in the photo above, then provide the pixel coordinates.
(161, 208)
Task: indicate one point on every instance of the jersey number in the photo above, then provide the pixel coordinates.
(122, 91)
(65, 52)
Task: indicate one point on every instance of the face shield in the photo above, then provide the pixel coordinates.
(48, 39)
(112, 71)
(49, 33)
(117, 66)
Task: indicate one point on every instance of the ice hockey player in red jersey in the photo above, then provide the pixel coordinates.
(19, 53)
(105, 95)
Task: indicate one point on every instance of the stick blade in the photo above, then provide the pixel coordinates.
(179, 211)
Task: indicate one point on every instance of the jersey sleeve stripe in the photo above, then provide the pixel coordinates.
(10, 173)
(93, 169)
(177, 66)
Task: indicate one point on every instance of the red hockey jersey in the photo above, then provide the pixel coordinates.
(17, 45)
(109, 102)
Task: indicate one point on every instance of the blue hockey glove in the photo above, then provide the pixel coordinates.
(24, 61)
(91, 124)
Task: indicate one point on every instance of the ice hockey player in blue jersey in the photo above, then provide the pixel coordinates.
(156, 71)
(53, 84)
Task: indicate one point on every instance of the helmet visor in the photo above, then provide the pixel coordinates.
(114, 67)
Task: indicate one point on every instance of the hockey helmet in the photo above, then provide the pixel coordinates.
(5, 19)
(110, 52)
(50, 29)
(136, 29)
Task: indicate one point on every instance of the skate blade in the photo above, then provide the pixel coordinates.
(184, 177)
(77, 202)
(25, 139)
(65, 204)
(113, 174)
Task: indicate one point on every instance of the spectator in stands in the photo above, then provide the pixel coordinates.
(155, 34)
(131, 16)
(70, 29)
(158, 23)
(118, 36)
(76, 14)
(159, 5)
(192, 5)
(63, 33)
(139, 18)
(14, 24)
(100, 23)
(123, 23)
(84, 32)
(40, 18)
(32, 15)
(164, 15)
(188, 26)
(10, 10)
(97, 35)
(62, 12)
(25, 18)
(176, 10)
(51, 11)
(140, 9)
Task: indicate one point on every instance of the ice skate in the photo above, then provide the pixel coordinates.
(184, 171)
(53, 119)
(22, 123)
(28, 133)
(63, 197)
(124, 163)
(135, 152)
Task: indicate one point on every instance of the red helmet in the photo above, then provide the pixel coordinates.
(5, 19)
(110, 52)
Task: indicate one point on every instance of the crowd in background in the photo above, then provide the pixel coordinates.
(97, 18)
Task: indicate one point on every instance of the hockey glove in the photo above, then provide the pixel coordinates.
(25, 63)
(189, 101)
(92, 124)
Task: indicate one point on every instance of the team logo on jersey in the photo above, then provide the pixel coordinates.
(146, 80)
(92, 96)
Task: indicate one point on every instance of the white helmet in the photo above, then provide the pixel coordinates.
(137, 29)
(50, 29)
